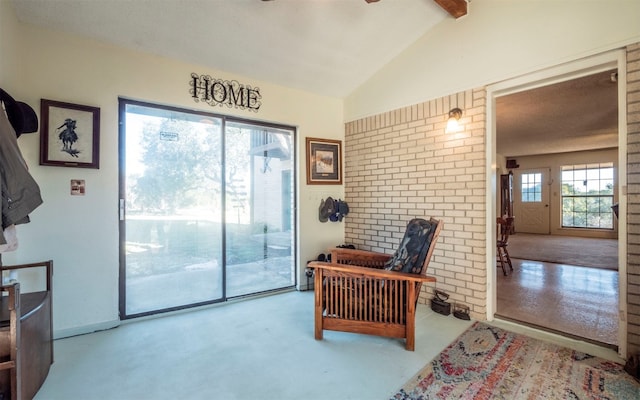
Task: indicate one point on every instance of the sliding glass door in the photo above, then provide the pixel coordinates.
(259, 193)
(206, 208)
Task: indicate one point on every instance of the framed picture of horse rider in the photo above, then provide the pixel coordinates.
(69, 135)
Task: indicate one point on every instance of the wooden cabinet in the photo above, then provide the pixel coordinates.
(506, 195)
(506, 199)
(26, 336)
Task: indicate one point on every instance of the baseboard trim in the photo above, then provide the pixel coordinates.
(593, 348)
(85, 329)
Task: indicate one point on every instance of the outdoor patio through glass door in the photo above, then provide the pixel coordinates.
(206, 208)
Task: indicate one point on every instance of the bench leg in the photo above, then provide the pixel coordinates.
(318, 289)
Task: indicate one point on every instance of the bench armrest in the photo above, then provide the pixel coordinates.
(368, 272)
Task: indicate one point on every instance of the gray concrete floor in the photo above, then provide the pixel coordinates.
(260, 348)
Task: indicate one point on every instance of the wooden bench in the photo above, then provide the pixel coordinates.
(26, 336)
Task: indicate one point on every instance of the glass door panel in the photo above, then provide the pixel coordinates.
(259, 208)
(172, 212)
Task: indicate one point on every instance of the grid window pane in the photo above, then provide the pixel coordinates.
(587, 196)
(531, 188)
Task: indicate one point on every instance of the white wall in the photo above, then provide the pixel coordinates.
(8, 48)
(495, 41)
(80, 233)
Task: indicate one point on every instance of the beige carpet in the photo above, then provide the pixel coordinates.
(585, 252)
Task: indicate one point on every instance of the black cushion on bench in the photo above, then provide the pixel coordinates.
(413, 249)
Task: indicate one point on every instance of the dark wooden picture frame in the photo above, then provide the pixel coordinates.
(69, 135)
(324, 162)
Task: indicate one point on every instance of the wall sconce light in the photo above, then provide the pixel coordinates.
(452, 123)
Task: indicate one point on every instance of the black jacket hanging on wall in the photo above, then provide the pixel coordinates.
(20, 192)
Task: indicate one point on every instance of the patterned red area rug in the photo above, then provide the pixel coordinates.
(486, 362)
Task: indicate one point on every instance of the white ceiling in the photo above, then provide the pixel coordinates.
(575, 115)
(328, 47)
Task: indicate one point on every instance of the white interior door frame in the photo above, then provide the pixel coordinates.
(570, 70)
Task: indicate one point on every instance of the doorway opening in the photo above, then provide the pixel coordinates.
(546, 151)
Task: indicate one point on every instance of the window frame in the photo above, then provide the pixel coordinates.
(584, 173)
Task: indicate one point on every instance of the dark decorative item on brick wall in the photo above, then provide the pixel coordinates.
(70, 135)
(324, 162)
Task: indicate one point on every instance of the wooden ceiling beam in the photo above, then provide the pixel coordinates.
(457, 8)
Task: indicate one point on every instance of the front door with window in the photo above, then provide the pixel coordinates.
(531, 198)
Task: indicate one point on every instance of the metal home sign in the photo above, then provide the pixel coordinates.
(218, 92)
